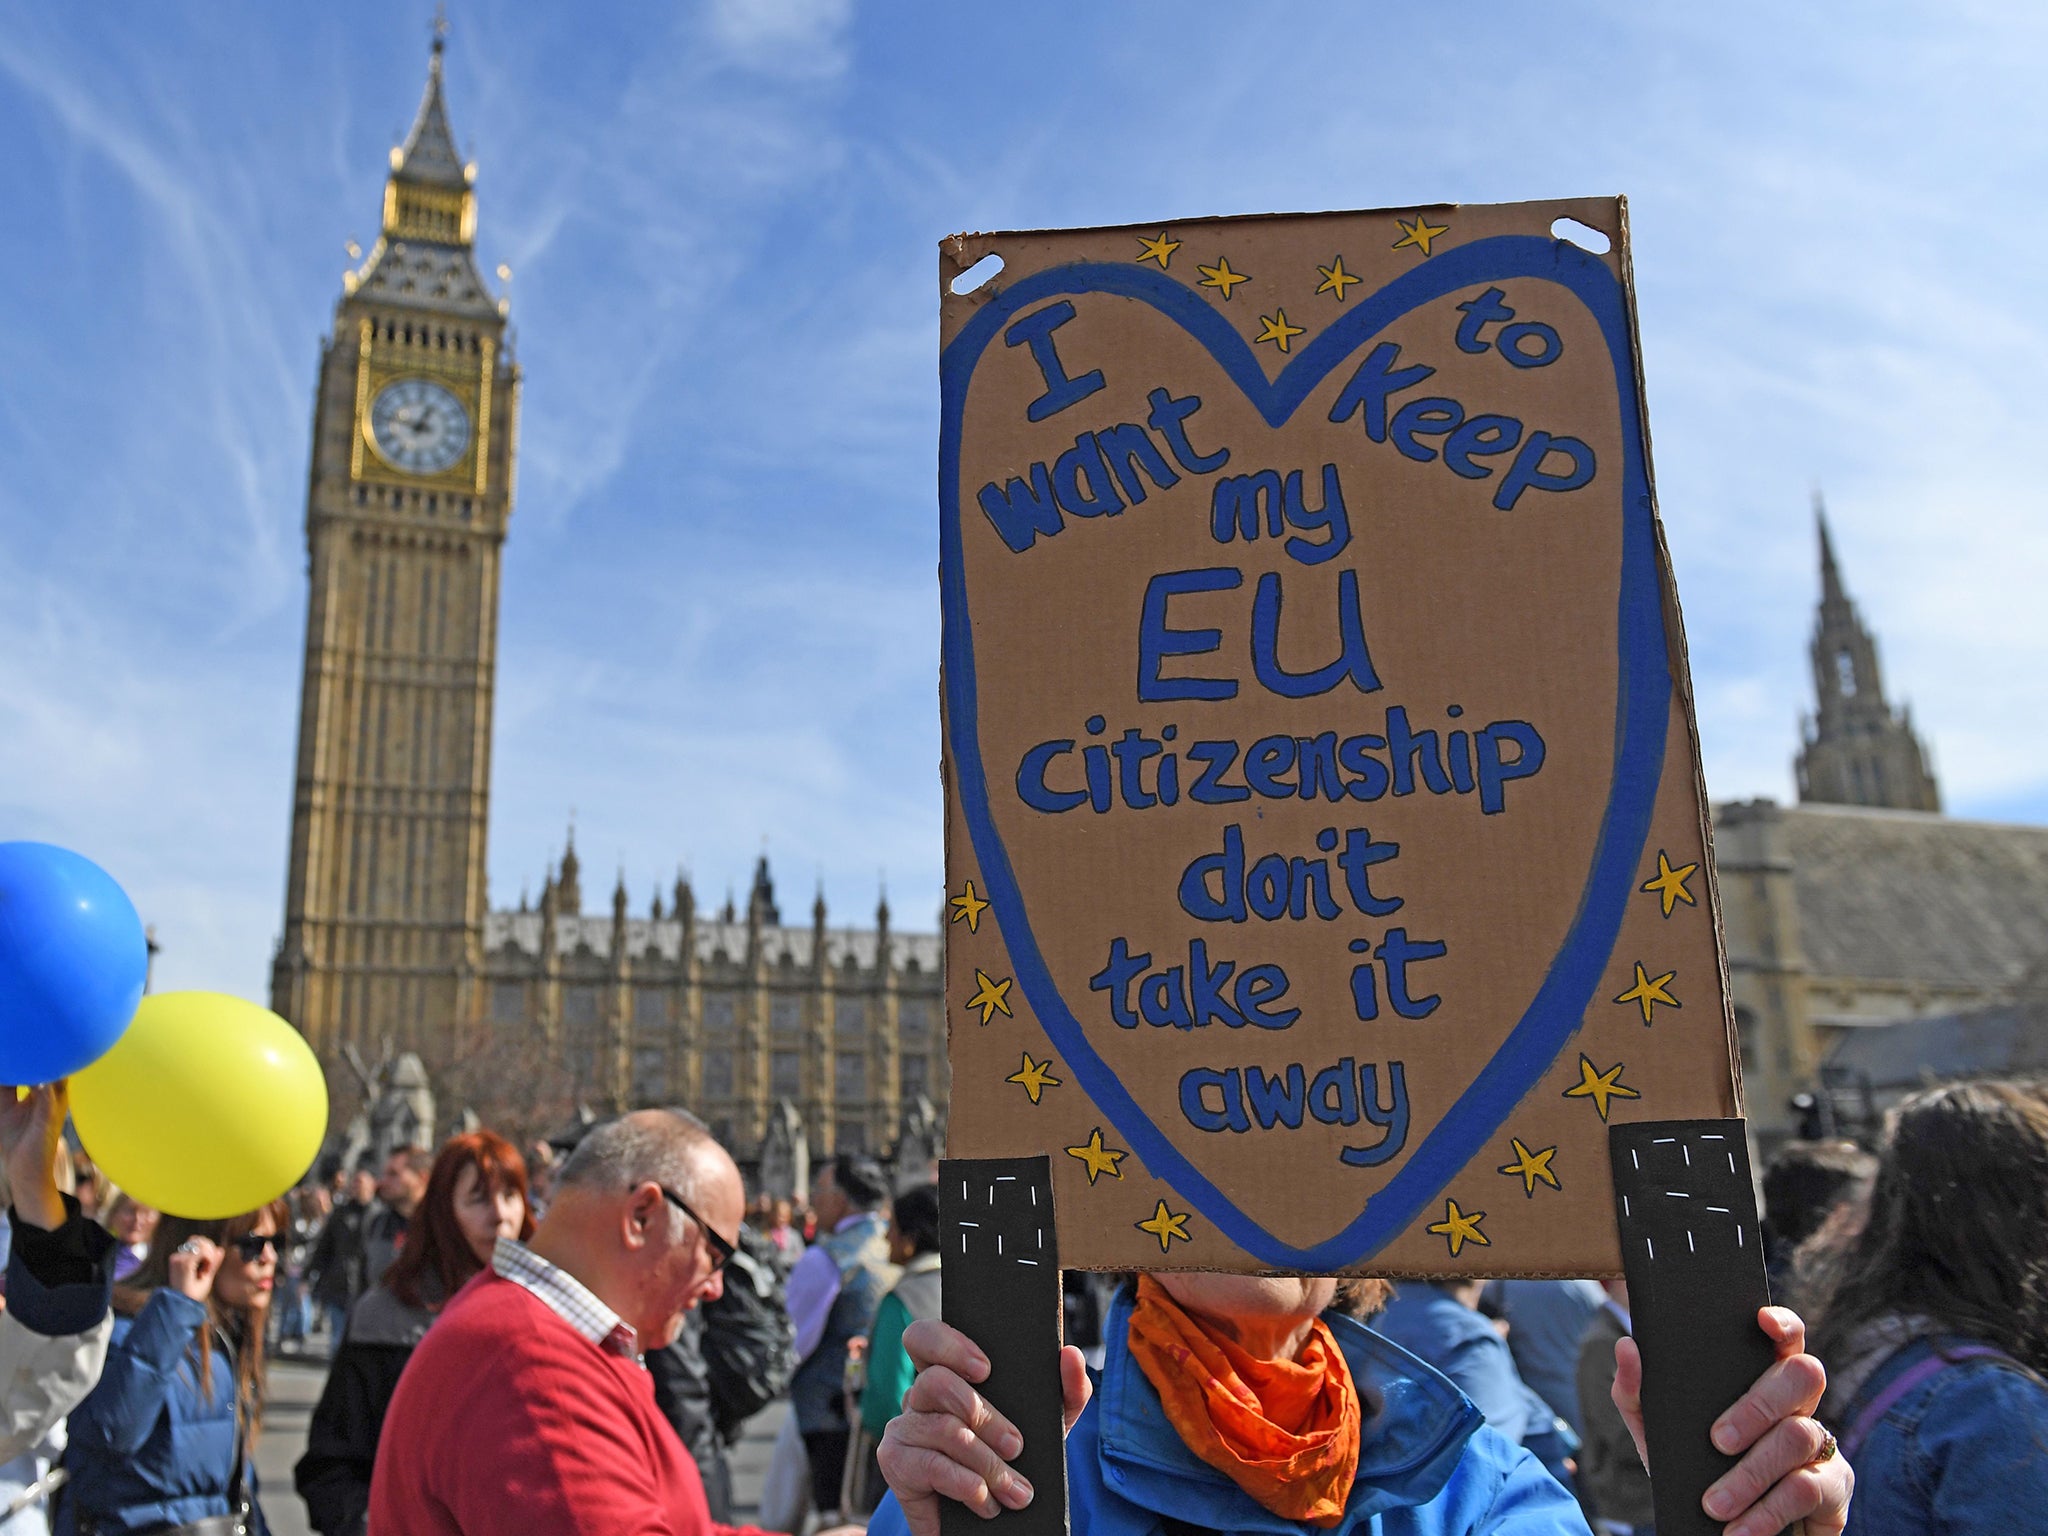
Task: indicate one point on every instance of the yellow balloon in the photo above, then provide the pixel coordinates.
(207, 1106)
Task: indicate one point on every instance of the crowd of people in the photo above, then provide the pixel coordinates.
(571, 1339)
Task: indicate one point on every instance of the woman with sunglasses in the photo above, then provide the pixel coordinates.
(475, 1195)
(166, 1441)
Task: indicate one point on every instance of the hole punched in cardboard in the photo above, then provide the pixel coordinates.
(980, 275)
(1584, 236)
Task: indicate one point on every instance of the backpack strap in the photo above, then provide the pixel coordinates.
(1921, 1371)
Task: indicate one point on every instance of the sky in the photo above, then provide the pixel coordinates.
(720, 618)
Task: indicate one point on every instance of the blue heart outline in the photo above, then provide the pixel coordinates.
(1642, 716)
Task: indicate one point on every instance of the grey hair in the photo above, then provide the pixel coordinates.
(660, 1146)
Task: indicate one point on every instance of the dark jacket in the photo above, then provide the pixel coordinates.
(335, 1267)
(1427, 1464)
(682, 1390)
(333, 1476)
(1611, 1478)
(383, 1235)
(148, 1447)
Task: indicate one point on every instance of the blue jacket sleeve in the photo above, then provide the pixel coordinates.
(1531, 1502)
(1484, 1371)
(60, 1283)
(141, 1373)
(1983, 1451)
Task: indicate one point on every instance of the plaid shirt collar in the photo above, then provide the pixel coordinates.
(565, 1296)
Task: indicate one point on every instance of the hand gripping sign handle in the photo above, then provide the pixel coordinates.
(999, 1274)
(1695, 1265)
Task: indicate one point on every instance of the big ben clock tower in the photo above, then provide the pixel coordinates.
(406, 507)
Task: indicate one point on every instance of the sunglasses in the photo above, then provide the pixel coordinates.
(251, 1245)
(721, 1250)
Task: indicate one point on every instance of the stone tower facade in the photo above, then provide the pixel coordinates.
(410, 490)
(1855, 750)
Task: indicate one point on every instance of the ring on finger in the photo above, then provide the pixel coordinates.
(1829, 1446)
(188, 1246)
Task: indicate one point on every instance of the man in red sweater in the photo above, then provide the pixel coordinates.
(526, 1407)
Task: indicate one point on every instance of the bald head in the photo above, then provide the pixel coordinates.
(613, 1225)
(670, 1147)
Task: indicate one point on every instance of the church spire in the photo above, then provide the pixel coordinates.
(428, 196)
(1855, 749)
(1832, 592)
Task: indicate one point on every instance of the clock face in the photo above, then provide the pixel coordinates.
(418, 426)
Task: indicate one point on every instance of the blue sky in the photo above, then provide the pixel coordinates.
(720, 620)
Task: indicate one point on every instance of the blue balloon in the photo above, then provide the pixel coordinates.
(73, 960)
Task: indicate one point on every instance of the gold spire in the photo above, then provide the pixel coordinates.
(429, 195)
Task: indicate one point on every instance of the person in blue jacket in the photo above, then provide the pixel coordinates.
(1934, 1318)
(1439, 1322)
(167, 1438)
(1263, 1365)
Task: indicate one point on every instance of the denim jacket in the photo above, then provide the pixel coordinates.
(1965, 1450)
(1427, 1465)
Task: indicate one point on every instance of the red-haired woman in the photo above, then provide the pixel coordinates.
(475, 1195)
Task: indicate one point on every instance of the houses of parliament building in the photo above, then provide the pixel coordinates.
(388, 938)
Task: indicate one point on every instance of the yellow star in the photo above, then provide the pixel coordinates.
(1418, 233)
(994, 996)
(1158, 248)
(1276, 329)
(1032, 1077)
(1336, 279)
(968, 906)
(1600, 1086)
(1531, 1166)
(1220, 276)
(1100, 1159)
(1670, 883)
(1459, 1228)
(1649, 991)
(1166, 1226)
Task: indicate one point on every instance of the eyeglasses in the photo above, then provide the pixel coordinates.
(721, 1250)
(251, 1245)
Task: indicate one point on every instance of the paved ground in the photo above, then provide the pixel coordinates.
(295, 1388)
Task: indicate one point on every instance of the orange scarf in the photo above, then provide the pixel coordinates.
(1285, 1431)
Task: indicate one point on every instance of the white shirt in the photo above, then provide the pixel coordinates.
(566, 1296)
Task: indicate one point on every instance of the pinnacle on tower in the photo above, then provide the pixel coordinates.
(429, 195)
(1855, 749)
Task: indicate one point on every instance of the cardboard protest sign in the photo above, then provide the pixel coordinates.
(1326, 844)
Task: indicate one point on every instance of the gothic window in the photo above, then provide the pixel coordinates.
(786, 1014)
(851, 1076)
(914, 1018)
(718, 1074)
(1845, 673)
(785, 1075)
(579, 1005)
(650, 1006)
(914, 1079)
(508, 1002)
(849, 1016)
(650, 1074)
(853, 1136)
(718, 1013)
